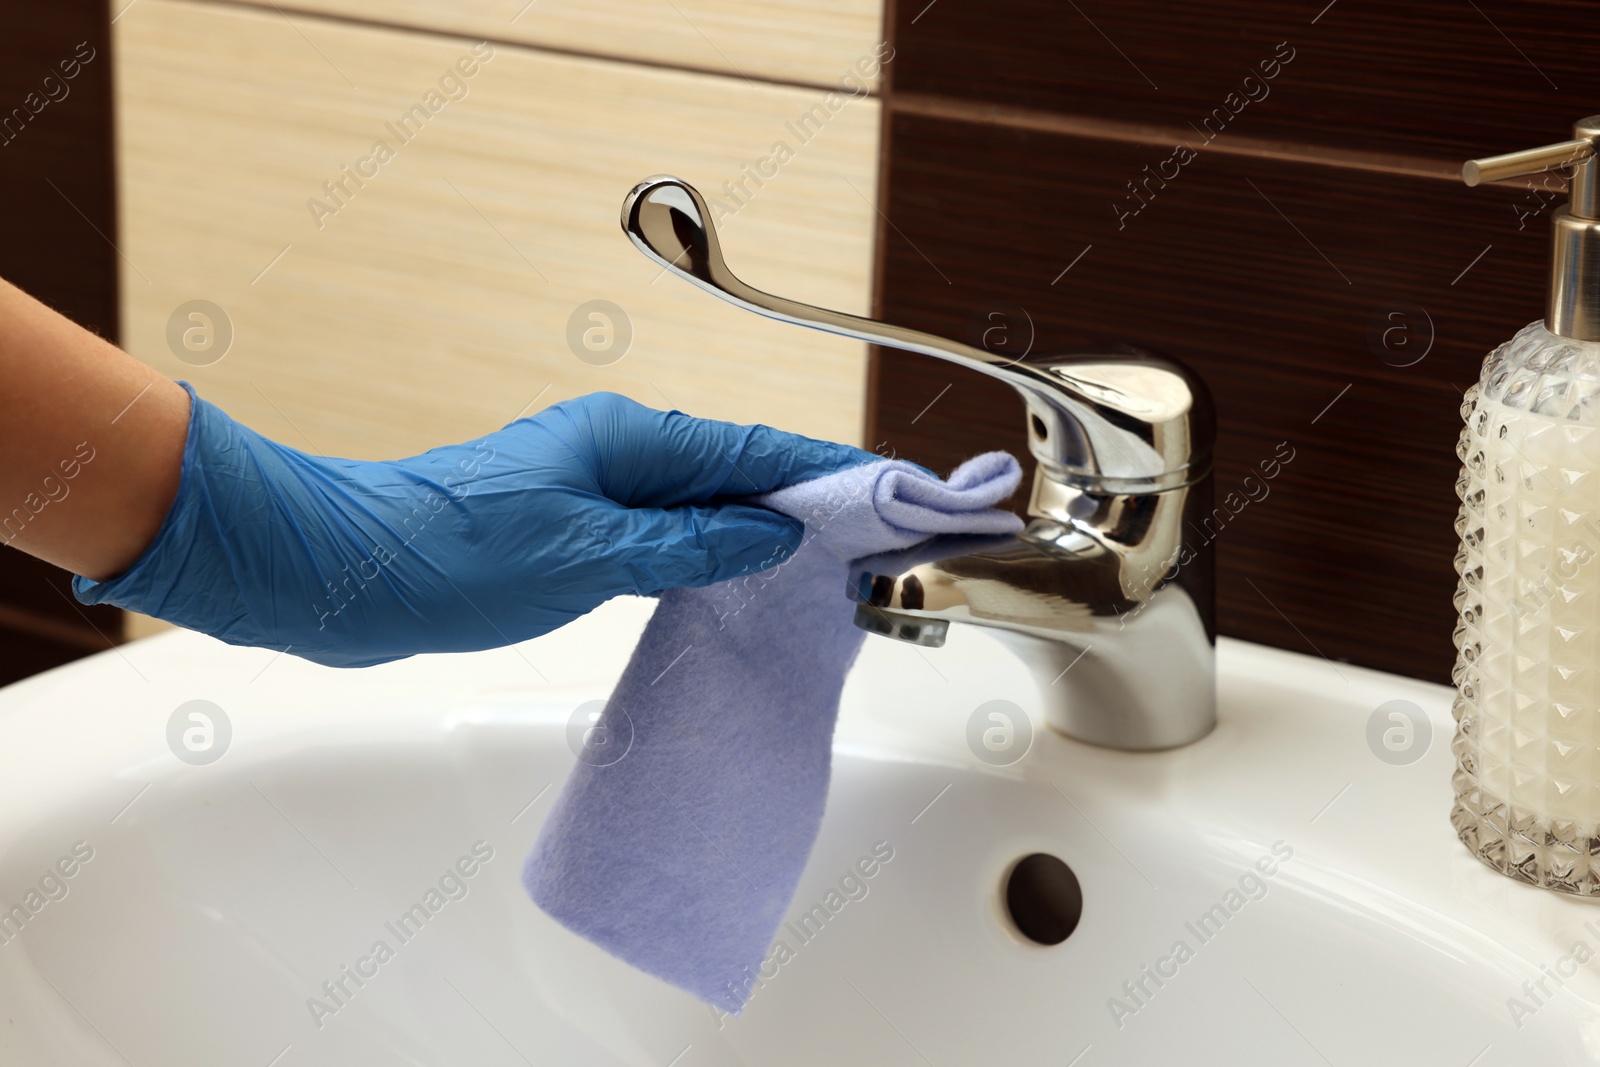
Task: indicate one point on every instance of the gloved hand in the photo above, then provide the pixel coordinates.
(352, 563)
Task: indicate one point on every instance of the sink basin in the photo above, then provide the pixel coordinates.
(230, 910)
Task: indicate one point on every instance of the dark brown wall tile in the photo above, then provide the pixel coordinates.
(1267, 276)
(1424, 77)
(56, 173)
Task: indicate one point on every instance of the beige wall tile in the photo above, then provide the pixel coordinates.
(817, 42)
(433, 306)
(140, 626)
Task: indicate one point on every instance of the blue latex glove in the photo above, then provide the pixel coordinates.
(351, 563)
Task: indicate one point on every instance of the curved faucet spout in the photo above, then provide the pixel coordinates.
(1115, 419)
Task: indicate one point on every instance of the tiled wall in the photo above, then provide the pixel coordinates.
(1313, 254)
(1032, 163)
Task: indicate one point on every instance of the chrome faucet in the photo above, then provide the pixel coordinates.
(1108, 593)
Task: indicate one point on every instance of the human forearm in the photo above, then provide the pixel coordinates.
(91, 442)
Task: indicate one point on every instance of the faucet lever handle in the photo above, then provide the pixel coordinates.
(1117, 420)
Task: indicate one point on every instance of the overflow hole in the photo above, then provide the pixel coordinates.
(1044, 899)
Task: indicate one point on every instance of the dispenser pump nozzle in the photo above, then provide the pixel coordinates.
(1574, 307)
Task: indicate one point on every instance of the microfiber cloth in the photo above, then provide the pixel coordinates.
(681, 856)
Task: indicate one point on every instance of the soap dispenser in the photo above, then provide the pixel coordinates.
(1527, 674)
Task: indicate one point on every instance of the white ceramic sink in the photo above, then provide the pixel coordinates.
(220, 897)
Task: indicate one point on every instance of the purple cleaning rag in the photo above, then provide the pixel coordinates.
(679, 849)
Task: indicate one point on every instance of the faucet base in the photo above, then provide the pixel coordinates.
(1136, 693)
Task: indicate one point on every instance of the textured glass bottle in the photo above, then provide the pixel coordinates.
(1527, 710)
